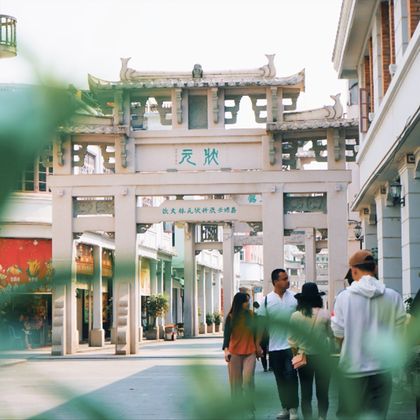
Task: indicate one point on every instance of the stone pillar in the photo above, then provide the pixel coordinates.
(336, 150)
(370, 232)
(389, 242)
(228, 272)
(217, 291)
(153, 277)
(64, 306)
(160, 285)
(139, 261)
(337, 239)
(180, 306)
(127, 293)
(160, 279)
(168, 291)
(201, 285)
(97, 334)
(114, 311)
(209, 295)
(410, 231)
(190, 284)
(310, 255)
(273, 228)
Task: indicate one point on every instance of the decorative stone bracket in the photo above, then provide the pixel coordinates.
(237, 249)
(215, 105)
(45, 157)
(256, 227)
(123, 151)
(143, 227)
(272, 151)
(178, 103)
(258, 109)
(274, 105)
(60, 149)
(164, 111)
(232, 109)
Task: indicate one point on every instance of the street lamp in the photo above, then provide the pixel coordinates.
(395, 192)
(357, 230)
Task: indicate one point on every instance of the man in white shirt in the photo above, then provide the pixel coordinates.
(277, 308)
(367, 320)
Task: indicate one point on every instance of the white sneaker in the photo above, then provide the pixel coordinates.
(293, 414)
(284, 414)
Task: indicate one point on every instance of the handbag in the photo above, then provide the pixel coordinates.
(300, 360)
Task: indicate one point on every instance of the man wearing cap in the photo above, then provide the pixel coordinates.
(367, 319)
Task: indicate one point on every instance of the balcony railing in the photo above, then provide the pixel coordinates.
(7, 36)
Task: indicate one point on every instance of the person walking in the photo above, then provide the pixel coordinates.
(310, 328)
(264, 343)
(366, 314)
(277, 309)
(240, 351)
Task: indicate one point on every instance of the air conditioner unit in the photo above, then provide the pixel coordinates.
(371, 116)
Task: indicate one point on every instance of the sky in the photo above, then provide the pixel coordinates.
(67, 39)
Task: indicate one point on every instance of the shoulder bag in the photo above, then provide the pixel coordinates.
(300, 359)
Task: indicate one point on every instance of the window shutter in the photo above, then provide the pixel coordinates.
(364, 110)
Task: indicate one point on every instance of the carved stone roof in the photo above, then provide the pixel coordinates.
(295, 81)
(93, 129)
(312, 124)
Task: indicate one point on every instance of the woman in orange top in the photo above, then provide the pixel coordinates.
(240, 350)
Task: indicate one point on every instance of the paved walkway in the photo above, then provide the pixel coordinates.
(185, 379)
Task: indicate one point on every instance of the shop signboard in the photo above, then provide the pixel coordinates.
(84, 260)
(24, 261)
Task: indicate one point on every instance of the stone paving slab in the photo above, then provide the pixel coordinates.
(186, 379)
(11, 362)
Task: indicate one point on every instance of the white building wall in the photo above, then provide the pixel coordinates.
(392, 115)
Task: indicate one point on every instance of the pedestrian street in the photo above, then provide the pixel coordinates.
(183, 379)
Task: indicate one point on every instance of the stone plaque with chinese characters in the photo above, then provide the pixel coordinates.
(203, 157)
(199, 211)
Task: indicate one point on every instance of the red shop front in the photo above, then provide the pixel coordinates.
(25, 291)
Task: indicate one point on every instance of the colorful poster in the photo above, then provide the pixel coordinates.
(24, 260)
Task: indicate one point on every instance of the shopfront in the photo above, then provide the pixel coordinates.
(25, 292)
(84, 291)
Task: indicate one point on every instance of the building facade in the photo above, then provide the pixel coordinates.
(377, 50)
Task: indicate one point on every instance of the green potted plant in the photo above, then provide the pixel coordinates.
(157, 306)
(209, 322)
(217, 320)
